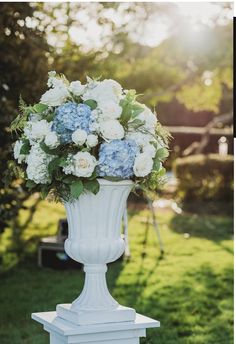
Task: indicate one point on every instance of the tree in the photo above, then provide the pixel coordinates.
(23, 70)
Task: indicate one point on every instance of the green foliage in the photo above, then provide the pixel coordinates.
(23, 70)
(91, 103)
(76, 189)
(92, 186)
(205, 177)
(130, 108)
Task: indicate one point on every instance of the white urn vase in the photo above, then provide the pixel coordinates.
(94, 239)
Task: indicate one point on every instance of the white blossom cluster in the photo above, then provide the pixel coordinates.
(88, 120)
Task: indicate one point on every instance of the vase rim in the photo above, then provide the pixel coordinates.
(103, 181)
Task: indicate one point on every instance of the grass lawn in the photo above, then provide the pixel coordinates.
(190, 289)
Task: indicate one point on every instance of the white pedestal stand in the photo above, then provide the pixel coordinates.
(65, 332)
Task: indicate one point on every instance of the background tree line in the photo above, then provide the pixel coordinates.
(187, 77)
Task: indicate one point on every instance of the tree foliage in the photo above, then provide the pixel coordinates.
(23, 70)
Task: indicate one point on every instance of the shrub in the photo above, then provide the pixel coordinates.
(205, 177)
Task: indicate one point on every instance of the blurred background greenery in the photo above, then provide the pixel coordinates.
(178, 56)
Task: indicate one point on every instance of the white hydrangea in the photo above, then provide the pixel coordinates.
(92, 140)
(142, 165)
(101, 91)
(37, 161)
(52, 140)
(149, 119)
(112, 130)
(150, 150)
(76, 88)
(110, 109)
(82, 164)
(140, 139)
(36, 131)
(56, 95)
(79, 137)
(17, 148)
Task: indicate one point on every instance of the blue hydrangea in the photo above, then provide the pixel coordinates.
(116, 158)
(69, 117)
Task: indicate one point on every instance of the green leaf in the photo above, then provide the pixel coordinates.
(45, 191)
(91, 103)
(49, 117)
(92, 185)
(47, 150)
(76, 189)
(25, 148)
(162, 154)
(69, 179)
(136, 123)
(55, 164)
(39, 108)
(30, 184)
(156, 165)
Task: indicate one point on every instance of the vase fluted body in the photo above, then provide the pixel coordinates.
(94, 239)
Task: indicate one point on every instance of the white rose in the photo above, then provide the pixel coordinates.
(55, 96)
(76, 88)
(81, 164)
(92, 140)
(143, 165)
(52, 140)
(149, 119)
(150, 150)
(37, 130)
(17, 148)
(110, 109)
(112, 130)
(106, 89)
(79, 137)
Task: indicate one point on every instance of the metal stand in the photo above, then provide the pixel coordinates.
(155, 227)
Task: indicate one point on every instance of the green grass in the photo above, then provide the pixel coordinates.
(190, 289)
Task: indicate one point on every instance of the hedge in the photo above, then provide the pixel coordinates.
(205, 177)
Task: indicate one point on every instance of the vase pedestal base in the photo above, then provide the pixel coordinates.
(87, 317)
(64, 332)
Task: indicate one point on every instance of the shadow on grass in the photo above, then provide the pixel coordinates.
(216, 228)
(197, 310)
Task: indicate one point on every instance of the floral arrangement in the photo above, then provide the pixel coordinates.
(78, 133)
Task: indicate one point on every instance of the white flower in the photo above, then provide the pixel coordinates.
(101, 91)
(92, 140)
(150, 150)
(76, 88)
(17, 155)
(55, 96)
(39, 130)
(79, 137)
(110, 109)
(143, 165)
(140, 139)
(112, 130)
(52, 140)
(149, 119)
(37, 161)
(82, 164)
